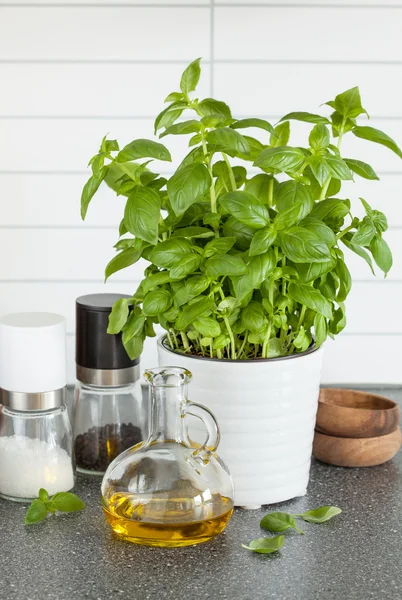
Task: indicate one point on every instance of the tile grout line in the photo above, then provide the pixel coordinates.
(184, 61)
(151, 4)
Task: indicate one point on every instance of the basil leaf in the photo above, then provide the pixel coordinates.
(224, 264)
(156, 302)
(221, 341)
(345, 281)
(293, 202)
(365, 233)
(346, 239)
(320, 515)
(266, 545)
(90, 189)
(321, 230)
(303, 340)
(381, 254)
(188, 185)
(319, 137)
(361, 168)
(262, 240)
(332, 211)
(228, 140)
(241, 232)
(186, 265)
(190, 77)
(207, 326)
(306, 117)
(118, 316)
(259, 269)
(36, 512)
(278, 522)
(194, 286)
(320, 329)
(301, 245)
(338, 168)
(169, 115)
(143, 149)
(133, 327)
(311, 271)
(252, 317)
(193, 232)
(219, 246)
(310, 297)
(259, 186)
(166, 254)
(193, 311)
(43, 495)
(320, 168)
(182, 128)
(348, 104)
(124, 259)
(259, 123)
(67, 502)
(209, 106)
(379, 137)
(246, 208)
(281, 135)
(141, 215)
(134, 346)
(282, 158)
(154, 280)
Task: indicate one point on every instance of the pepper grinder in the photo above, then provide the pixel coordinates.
(109, 416)
(35, 431)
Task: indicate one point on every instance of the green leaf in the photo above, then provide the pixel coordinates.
(156, 302)
(306, 117)
(252, 317)
(154, 280)
(320, 168)
(338, 168)
(169, 115)
(361, 168)
(321, 230)
(210, 106)
(259, 123)
(365, 232)
(241, 232)
(310, 297)
(379, 137)
(282, 158)
(224, 264)
(266, 545)
(174, 97)
(67, 502)
(303, 339)
(319, 137)
(228, 140)
(143, 149)
(188, 185)
(182, 128)
(134, 347)
(259, 269)
(348, 104)
(311, 271)
(262, 240)
(279, 522)
(320, 515)
(186, 265)
(141, 215)
(259, 186)
(124, 259)
(301, 245)
(193, 311)
(118, 316)
(346, 239)
(293, 202)
(219, 246)
(193, 287)
(207, 326)
(221, 341)
(381, 254)
(190, 77)
(281, 135)
(193, 232)
(36, 512)
(320, 329)
(332, 211)
(133, 327)
(43, 495)
(345, 281)
(89, 191)
(246, 208)
(167, 254)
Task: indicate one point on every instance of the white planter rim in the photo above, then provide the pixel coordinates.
(162, 343)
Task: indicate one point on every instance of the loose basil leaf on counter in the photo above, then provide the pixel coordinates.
(320, 515)
(278, 522)
(266, 545)
(43, 495)
(61, 501)
(67, 502)
(36, 512)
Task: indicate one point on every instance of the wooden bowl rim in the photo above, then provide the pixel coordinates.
(345, 440)
(388, 404)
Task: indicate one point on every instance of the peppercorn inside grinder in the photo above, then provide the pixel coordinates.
(108, 415)
(35, 432)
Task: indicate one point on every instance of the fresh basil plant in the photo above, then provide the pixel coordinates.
(243, 263)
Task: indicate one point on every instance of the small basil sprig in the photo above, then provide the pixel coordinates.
(281, 521)
(61, 502)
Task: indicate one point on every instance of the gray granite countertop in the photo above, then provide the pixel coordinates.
(357, 555)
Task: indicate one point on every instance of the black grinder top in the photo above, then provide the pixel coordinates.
(95, 348)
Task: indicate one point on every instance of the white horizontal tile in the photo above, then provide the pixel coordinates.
(82, 89)
(104, 33)
(114, 3)
(384, 195)
(269, 89)
(307, 3)
(61, 255)
(307, 33)
(363, 359)
(374, 307)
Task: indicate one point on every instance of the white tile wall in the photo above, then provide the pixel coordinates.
(73, 70)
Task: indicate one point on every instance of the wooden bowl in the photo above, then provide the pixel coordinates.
(356, 452)
(352, 414)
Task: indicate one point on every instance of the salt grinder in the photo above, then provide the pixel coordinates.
(35, 432)
(108, 412)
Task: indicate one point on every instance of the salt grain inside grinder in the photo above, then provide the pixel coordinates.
(35, 432)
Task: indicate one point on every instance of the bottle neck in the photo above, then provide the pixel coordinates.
(167, 411)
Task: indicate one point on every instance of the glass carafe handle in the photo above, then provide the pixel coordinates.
(213, 433)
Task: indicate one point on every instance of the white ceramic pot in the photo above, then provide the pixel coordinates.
(266, 412)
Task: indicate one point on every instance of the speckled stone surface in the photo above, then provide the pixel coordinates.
(357, 555)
